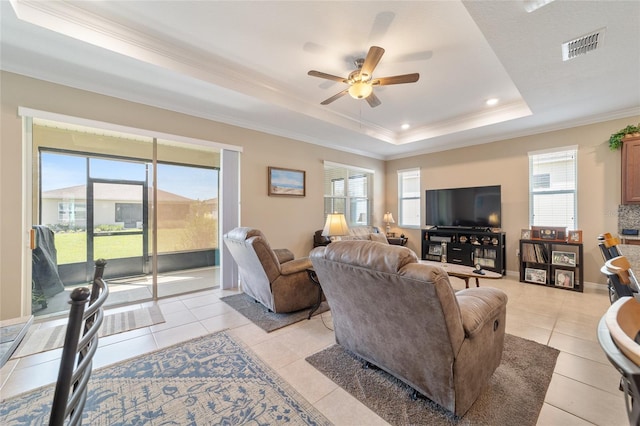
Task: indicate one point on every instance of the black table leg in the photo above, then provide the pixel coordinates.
(314, 279)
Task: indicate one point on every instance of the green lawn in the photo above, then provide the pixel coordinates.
(72, 246)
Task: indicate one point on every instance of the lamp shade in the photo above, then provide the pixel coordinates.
(388, 218)
(335, 225)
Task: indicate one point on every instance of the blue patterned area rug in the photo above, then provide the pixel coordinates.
(209, 380)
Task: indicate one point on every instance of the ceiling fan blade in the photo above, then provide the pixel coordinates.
(327, 76)
(396, 79)
(334, 97)
(371, 61)
(373, 100)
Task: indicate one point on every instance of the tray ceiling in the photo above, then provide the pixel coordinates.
(246, 63)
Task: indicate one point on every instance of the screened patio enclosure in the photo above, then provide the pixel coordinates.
(147, 206)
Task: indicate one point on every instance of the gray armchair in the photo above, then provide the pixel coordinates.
(272, 277)
(405, 318)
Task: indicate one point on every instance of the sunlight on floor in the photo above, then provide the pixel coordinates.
(136, 289)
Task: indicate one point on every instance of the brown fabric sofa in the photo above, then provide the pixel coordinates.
(272, 277)
(404, 317)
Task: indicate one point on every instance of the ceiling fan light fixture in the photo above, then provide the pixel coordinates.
(361, 80)
(360, 90)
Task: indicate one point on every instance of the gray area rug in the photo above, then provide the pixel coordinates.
(262, 317)
(11, 334)
(205, 381)
(515, 393)
(48, 338)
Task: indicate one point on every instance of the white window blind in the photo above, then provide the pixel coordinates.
(347, 190)
(409, 197)
(553, 188)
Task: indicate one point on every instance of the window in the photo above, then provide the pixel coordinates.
(553, 188)
(409, 197)
(147, 205)
(71, 212)
(347, 191)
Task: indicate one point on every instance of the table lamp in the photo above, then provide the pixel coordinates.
(388, 218)
(335, 225)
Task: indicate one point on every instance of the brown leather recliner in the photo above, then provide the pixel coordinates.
(272, 277)
(404, 317)
(320, 240)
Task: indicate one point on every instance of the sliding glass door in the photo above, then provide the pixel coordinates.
(149, 207)
(187, 218)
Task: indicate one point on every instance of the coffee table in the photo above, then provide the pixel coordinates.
(463, 272)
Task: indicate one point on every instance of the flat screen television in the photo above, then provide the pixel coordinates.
(474, 207)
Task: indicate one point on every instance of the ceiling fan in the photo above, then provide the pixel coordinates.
(361, 80)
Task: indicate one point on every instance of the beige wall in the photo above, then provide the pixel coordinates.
(290, 222)
(287, 222)
(506, 163)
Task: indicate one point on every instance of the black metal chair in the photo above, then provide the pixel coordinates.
(609, 249)
(618, 336)
(608, 246)
(620, 278)
(80, 344)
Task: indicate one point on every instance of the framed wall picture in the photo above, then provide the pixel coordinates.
(575, 236)
(286, 182)
(564, 278)
(563, 258)
(533, 275)
(525, 234)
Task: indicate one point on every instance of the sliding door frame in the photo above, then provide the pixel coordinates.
(229, 210)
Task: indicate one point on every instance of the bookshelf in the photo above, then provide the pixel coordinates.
(552, 263)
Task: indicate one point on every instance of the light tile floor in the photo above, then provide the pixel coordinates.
(583, 390)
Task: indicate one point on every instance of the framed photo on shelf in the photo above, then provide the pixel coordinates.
(538, 276)
(575, 236)
(286, 182)
(564, 278)
(563, 258)
(435, 249)
(525, 234)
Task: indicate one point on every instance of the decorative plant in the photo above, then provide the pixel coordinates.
(615, 141)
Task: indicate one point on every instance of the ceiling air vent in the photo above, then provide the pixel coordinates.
(582, 45)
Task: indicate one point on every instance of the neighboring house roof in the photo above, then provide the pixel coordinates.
(110, 192)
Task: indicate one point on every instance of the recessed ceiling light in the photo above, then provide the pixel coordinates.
(533, 5)
(492, 101)
(405, 126)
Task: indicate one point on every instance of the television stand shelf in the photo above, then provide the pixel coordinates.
(467, 247)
